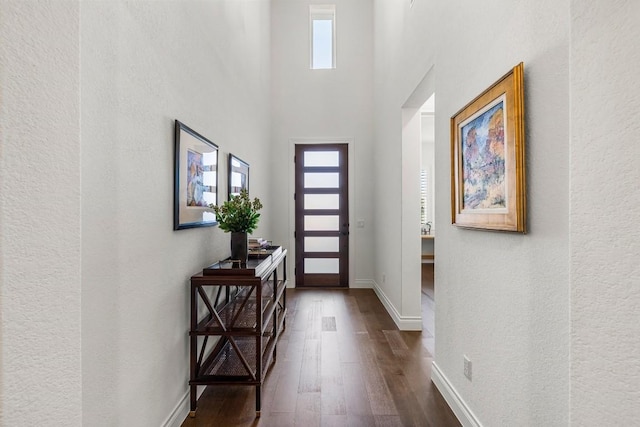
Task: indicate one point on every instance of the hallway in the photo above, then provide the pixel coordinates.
(341, 362)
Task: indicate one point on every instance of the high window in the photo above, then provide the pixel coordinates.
(322, 28)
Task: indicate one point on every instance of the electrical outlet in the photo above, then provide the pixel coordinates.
(384, 278)
(467, 368)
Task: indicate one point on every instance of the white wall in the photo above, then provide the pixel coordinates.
(393, 91)
(502, 299)
(337, 103)
(94, 280)
(605, 206)
(40, 241)
(143, 65)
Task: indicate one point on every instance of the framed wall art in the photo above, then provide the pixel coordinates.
(488, 158)
(238, 178)
(195, 179)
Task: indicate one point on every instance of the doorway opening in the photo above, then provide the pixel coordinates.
(427, 220)
(418, 201)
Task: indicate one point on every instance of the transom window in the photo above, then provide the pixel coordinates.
(322, 28)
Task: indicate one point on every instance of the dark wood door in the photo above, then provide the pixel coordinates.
(322, 215)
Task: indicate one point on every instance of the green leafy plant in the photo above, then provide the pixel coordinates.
(239, 213)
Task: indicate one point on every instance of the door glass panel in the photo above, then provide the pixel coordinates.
(321, 158)
(321, 222)
(321, 244)
(321, 201)
(321, 179)
(321, 265)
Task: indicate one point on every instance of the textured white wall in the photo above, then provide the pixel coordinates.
(324, 104)
(401, 55)
(605, 206)
(40, 381)
(501, 299)
(143, 65)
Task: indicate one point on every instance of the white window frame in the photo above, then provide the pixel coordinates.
(322, 12)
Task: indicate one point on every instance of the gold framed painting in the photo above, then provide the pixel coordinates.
(488, 158)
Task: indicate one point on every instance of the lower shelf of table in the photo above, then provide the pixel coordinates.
(224, 365)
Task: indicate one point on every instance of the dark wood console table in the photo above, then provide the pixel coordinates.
(237, 314)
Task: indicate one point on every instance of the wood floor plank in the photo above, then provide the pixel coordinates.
(349, 322)
(334, 420)
(333, 400)
(409, 409)
(440, 414)
(308, 410)
(310, 371)
(389, 421)
(379, 394)
(287, 387)
(348, 351)
(274, 419)
(332, 385)
(239, 405)
(397, 344)
(343, 313)
(295, 346)
(355, 390)
(357, 320)
(330, 367)
(314, 320)
(360, 420)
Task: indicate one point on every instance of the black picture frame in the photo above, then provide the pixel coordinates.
(195, 179)
(238, 176)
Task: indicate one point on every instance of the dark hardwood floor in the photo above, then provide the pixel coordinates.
(341, 362)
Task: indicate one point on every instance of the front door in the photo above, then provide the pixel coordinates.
(322, 215)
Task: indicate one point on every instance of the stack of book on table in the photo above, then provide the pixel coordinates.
(261, 248)
(256, 243)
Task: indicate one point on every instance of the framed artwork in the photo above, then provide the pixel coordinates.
(196, 179)
(488, 158)
(238, 176)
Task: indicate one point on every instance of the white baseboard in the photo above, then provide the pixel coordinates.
(455, 401)
(404, 323)
(363, 284)
(179, 413)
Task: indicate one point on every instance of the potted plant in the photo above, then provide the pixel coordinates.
(238, 216)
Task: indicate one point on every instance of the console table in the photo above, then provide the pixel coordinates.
(237, 314)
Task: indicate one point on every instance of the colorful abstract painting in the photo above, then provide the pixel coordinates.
(195, 179)
(488, 179)
(483, 159)
(195, 172)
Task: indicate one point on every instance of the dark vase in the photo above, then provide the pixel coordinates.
(239, 247)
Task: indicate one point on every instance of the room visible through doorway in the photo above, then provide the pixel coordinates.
(427, 220)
